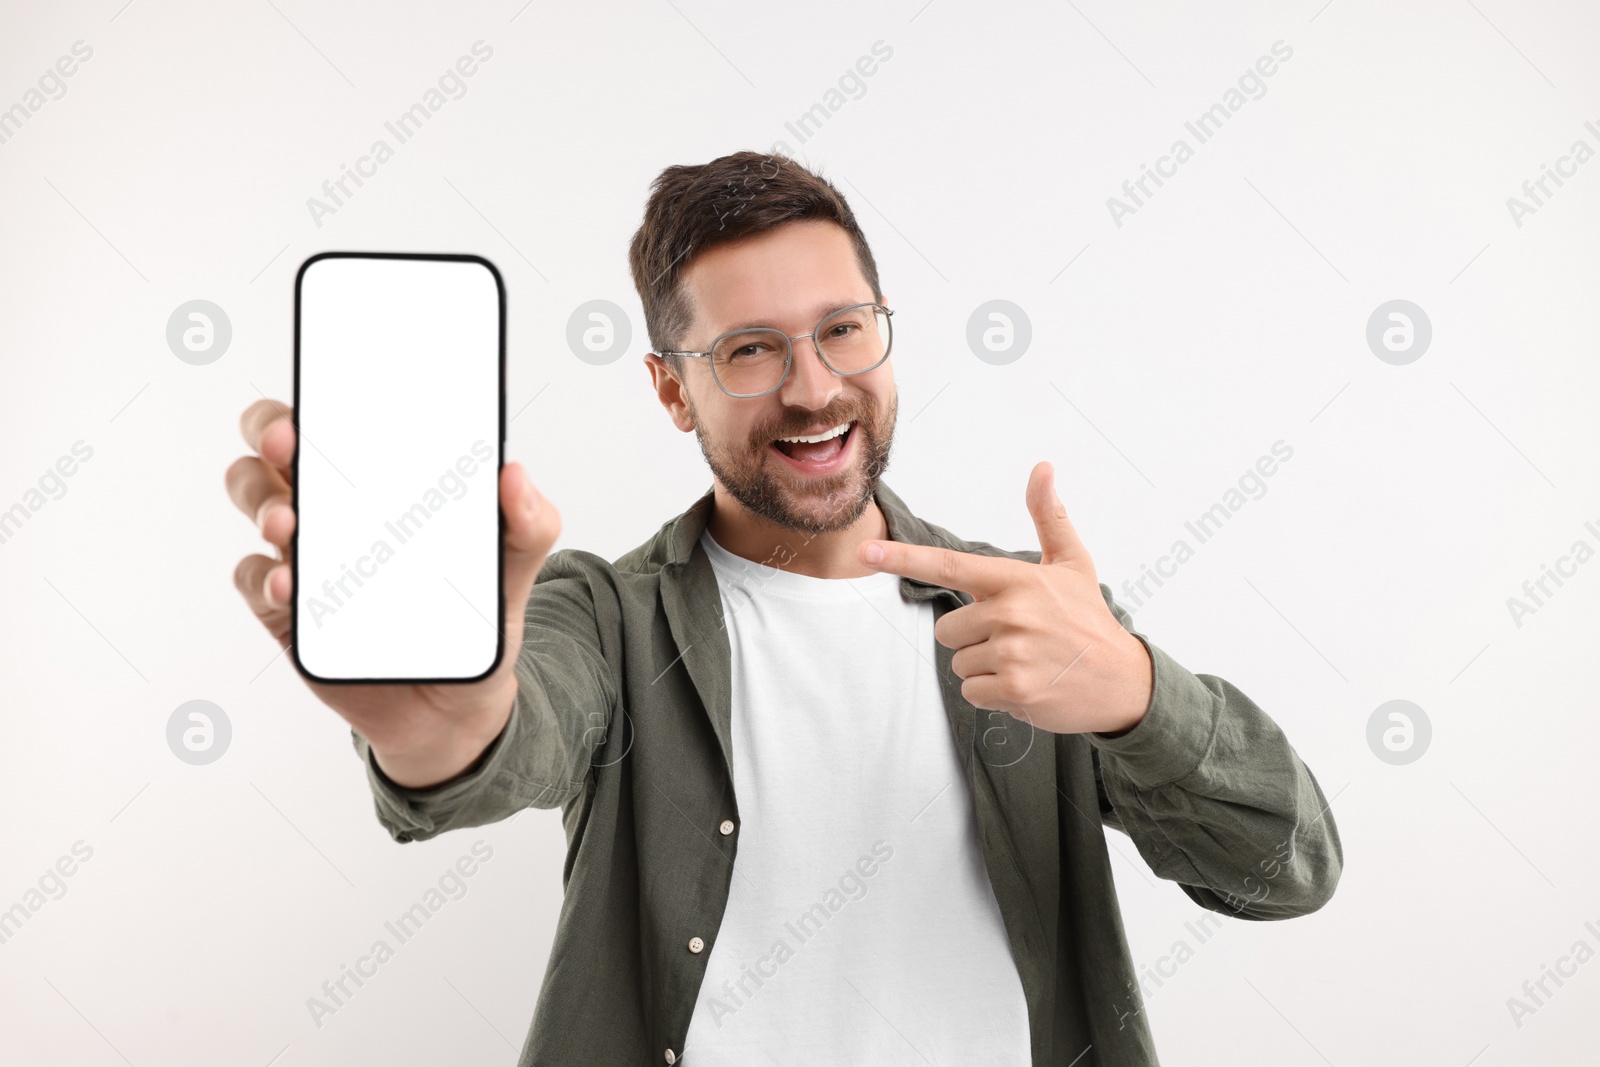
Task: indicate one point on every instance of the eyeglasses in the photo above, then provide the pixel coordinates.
(756, 361)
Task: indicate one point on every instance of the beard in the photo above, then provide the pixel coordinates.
(815, 506)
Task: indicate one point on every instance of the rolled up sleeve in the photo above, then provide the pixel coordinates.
(1215, 798)
(564, 706)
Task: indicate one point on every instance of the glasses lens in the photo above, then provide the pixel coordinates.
(750, 361)
(855, 339)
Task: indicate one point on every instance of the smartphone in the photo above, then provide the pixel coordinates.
(399, 407)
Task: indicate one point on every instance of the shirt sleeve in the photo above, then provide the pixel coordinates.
(1211, 792)
(563, 708)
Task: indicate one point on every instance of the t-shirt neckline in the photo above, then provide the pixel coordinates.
(780, 580)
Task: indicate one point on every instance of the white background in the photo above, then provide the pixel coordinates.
(1168, 354)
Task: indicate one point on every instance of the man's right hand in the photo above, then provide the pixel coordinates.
(421, 735)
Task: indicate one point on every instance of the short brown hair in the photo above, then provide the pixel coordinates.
(696, 207)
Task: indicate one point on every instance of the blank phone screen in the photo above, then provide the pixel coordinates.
(399, 405)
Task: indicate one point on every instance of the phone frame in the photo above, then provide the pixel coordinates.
(294, 487)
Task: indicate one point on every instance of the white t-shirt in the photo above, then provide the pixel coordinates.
(861, 927)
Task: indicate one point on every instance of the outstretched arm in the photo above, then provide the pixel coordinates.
(564, 702)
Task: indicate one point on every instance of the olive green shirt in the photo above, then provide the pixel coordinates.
(622, 719)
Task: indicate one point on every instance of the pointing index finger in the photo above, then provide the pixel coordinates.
(982, 576)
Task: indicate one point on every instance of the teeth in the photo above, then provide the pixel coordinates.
(814, 438)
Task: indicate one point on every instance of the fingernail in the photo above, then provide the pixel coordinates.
(874, 552)
(271, 596)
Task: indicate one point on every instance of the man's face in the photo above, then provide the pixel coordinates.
(788, 278)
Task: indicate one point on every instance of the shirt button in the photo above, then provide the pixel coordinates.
(670, 1057)
(726, 827)
(695, 944)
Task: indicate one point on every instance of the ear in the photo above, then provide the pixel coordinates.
(671, 391)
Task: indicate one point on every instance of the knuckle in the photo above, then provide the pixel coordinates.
(1009, 652)
(243, 575)
(235, 475)
(1007, 616)
(252, 415)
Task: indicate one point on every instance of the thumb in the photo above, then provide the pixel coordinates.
(1058, 540)
(532, 526)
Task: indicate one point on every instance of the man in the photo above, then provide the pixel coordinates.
(834, 780)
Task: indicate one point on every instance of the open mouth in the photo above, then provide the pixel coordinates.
(817, 453)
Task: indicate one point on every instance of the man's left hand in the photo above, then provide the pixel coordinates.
(1038, 640)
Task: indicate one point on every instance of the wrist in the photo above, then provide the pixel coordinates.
(441, 759)
(1141, 691)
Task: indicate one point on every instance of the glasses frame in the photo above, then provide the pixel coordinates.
(788, 360)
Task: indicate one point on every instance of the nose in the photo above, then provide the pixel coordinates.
(810, 384)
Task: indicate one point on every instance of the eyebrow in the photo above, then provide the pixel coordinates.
(820, 313)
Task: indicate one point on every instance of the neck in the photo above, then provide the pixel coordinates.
(828, 555)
